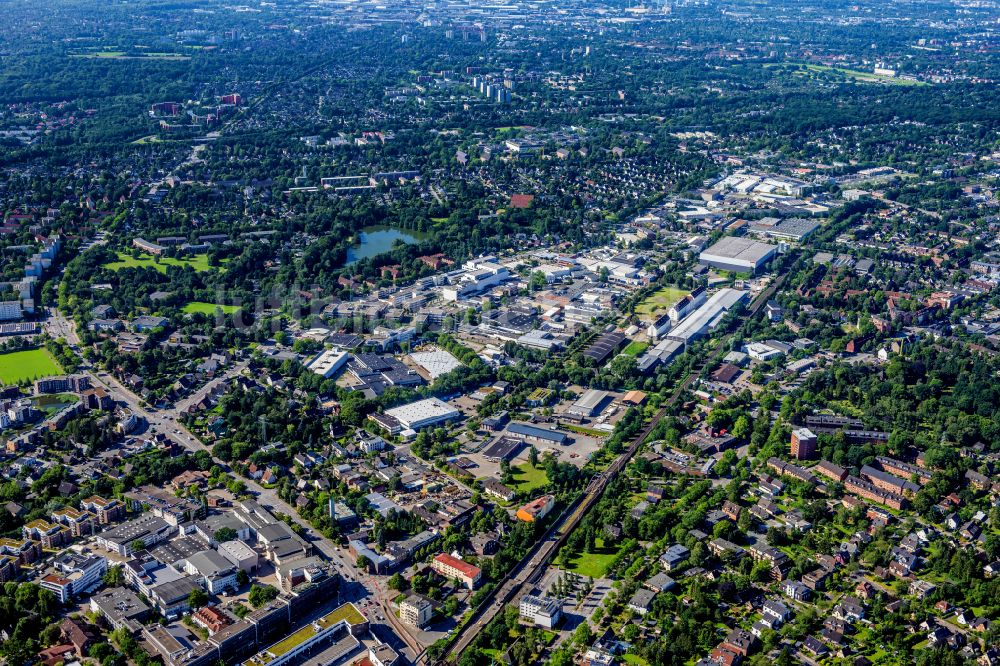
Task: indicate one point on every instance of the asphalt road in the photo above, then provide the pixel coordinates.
(358, 586)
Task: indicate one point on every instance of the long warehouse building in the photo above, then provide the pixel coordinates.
(707, 317)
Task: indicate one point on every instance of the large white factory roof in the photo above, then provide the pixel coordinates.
(423, 412)
(707, 315)
(436, 363)
(739, 250)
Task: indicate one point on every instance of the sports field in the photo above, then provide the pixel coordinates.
(201, 307)
(27, 365)
(198, 262)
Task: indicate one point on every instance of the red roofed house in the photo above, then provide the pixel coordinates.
(452, 567)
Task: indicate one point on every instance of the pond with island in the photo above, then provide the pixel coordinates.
(373, 241)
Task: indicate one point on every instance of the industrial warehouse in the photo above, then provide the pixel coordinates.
(740, 255)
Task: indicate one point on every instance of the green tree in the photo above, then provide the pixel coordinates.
(224, 534)
(742, 427)
(261, 594)
(197, 598)
(114, 576)
(397, 582)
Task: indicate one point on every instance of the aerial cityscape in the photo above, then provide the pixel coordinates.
(601, 332)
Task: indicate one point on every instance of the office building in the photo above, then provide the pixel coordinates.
(804, 444)
(540, 611)
(416, 611)
(148, 529)
(78, 574)
(328, 363)
(334, 636)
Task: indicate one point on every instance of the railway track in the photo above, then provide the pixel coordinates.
(530, 569)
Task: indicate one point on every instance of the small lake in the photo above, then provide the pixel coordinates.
(376, 240)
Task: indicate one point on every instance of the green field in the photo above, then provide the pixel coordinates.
(594, 564)
(635, 348)
(634, 660)
(27, 365)
(198, 262)
(660, 300)
(527, 478)
(201, 307)
(853, 74)
(589, 432)
(120, 55)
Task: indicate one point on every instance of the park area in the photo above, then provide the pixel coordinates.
(201, 307)
(660, 301)
(27, 365)
(594, 564)
(198, 262)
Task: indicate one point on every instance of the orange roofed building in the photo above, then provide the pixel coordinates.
(536, 509)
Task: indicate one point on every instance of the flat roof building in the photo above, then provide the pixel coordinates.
(793, 229)
(336, 629)
(530, 433)
(121, 607)
(737, 254)
(328, 363)
(436, 363)
(147, 528)
(590, 403)
(708, 316)
(540, 611)
(423, 413)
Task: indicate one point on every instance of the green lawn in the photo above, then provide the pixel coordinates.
(27, 365)
(198, 262)
(595, 564)
(527, 478)
(201, 307)
(105, 54)
(635, 348)
(120, 55)
(634, 660)
(660, 300)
